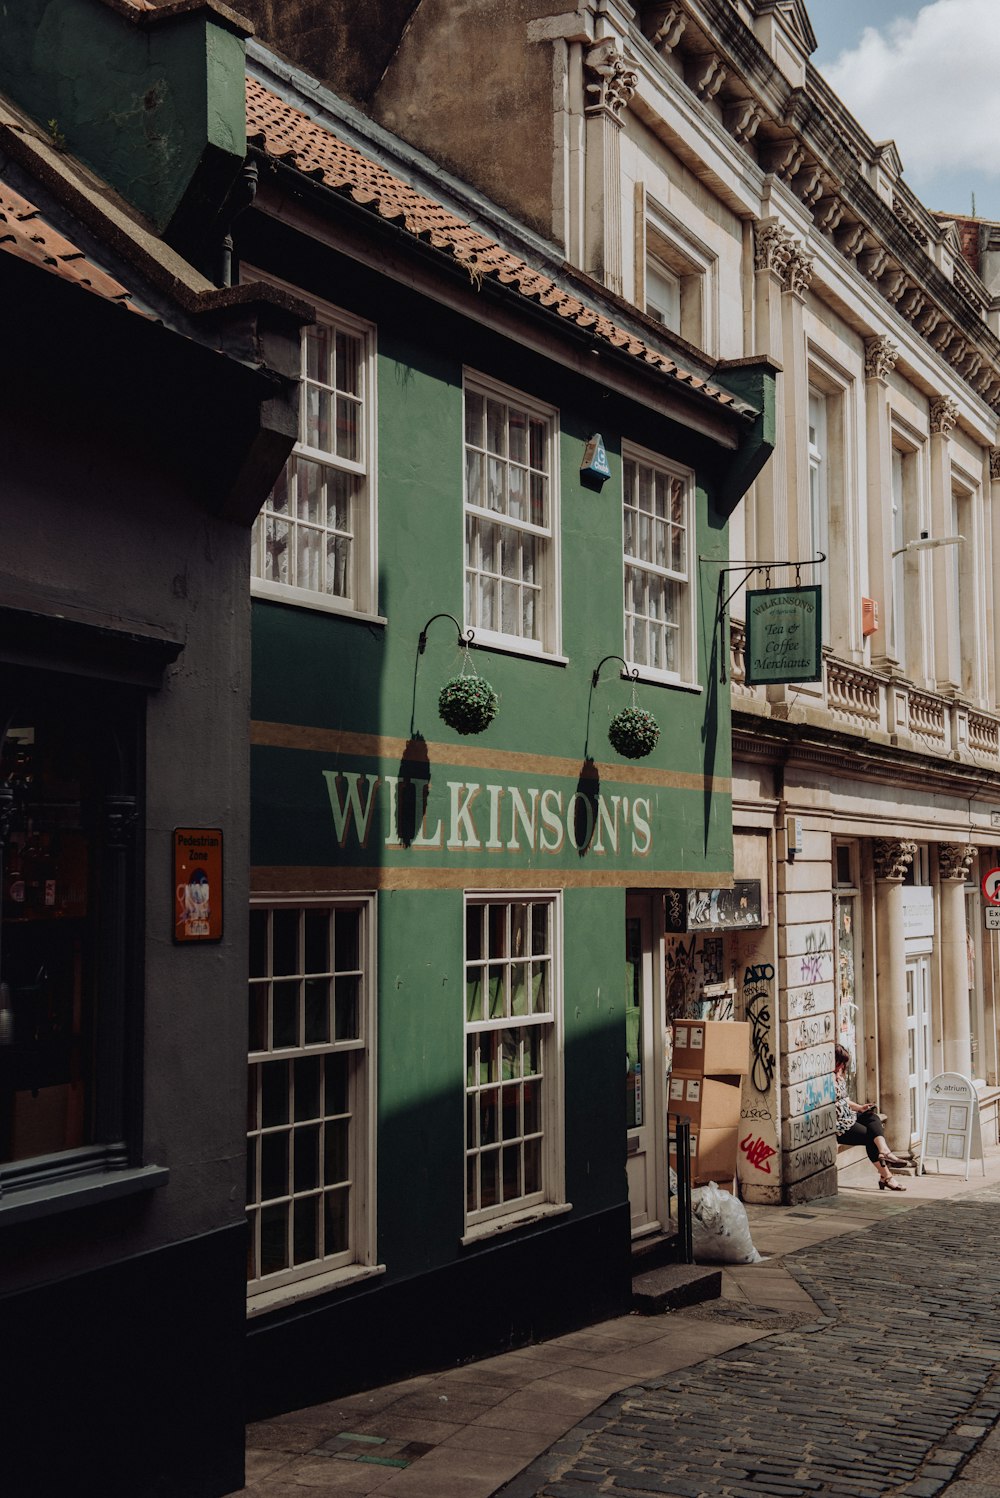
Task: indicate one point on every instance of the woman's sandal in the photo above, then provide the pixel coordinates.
(892, 1159)
(889, 1185)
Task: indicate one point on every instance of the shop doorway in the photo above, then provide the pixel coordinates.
(918, 1043)
(645, 1083)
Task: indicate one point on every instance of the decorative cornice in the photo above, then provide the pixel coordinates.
(822, 152)
(892, 858)
(613, 79)
(880, 357)
(955, 860)
(709, 76)
(743, 120)
(667, 24)
(943, 415)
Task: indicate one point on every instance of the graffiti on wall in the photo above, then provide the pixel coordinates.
(758, 1136)
(757, 980)
(758, 1152)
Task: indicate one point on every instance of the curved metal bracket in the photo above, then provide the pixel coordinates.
(465, 637)
(632, 675)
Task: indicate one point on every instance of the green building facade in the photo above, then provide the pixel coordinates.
(457, 1117)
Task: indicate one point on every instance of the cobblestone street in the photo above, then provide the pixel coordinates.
(890, 1391)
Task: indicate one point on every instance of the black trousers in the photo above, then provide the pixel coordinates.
(865, 1130)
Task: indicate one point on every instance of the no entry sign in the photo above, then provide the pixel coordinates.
(991, 886)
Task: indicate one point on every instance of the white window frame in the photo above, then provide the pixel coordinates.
(965, 628)
(663, 293)
(910, 577)
(551, 1196)
(818, 518)
(364, 564)
(549, 605)
(665, 246)
(687, 674)
(358, 1259)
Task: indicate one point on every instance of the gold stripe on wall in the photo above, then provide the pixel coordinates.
(379, 746)
(293, 879)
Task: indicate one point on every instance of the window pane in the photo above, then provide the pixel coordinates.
(306, 1234)
(337, 1080)
(474, 406)
(347, 940)
(489, 1178)
(512, 1172)
(285, 1021)
(335, 1161)
(532, 1166)
(307, 1087)
(348, 429)
(496, 425)
(349, 364)
(273, 1239)
(258, 1017)
(274, 1093)
(336, 1221)
(317, 999)
(539, 930)
(258, 943)
(306, 1145)
(273, 1166)
(346, 1002)
(285, 954)
(318, 354)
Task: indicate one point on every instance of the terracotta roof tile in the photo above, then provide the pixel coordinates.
(26, 234)
(288, 135)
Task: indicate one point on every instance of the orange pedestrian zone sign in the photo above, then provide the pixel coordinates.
(197, 884)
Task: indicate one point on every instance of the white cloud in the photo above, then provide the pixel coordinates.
(930, 84)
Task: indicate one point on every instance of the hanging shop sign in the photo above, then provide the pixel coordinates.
(197, 884)
(735, 909)
(784, 636)
(952, 1129)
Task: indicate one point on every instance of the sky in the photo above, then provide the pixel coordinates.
(926, 74)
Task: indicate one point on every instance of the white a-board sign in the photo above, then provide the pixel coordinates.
(952, 1130)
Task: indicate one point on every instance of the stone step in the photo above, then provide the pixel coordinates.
(673, 1286)
(654, 1250)
(855, 1169)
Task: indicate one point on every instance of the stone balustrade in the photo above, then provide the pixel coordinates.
(867, 701)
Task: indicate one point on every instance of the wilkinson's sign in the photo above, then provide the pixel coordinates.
(784, 641)
(484, 817)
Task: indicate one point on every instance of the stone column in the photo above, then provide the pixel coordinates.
(993, 584)
(891, 859)
(880, 357)
(772, 251)
(610, 83)
(947, 666)
(798, 275)
(954, 862)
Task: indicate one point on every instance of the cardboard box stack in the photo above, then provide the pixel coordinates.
(711, 1058)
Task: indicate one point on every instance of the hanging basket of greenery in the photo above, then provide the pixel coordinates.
(468, 704)
(633, 732)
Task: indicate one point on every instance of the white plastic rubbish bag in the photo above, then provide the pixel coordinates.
(720, 1232)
